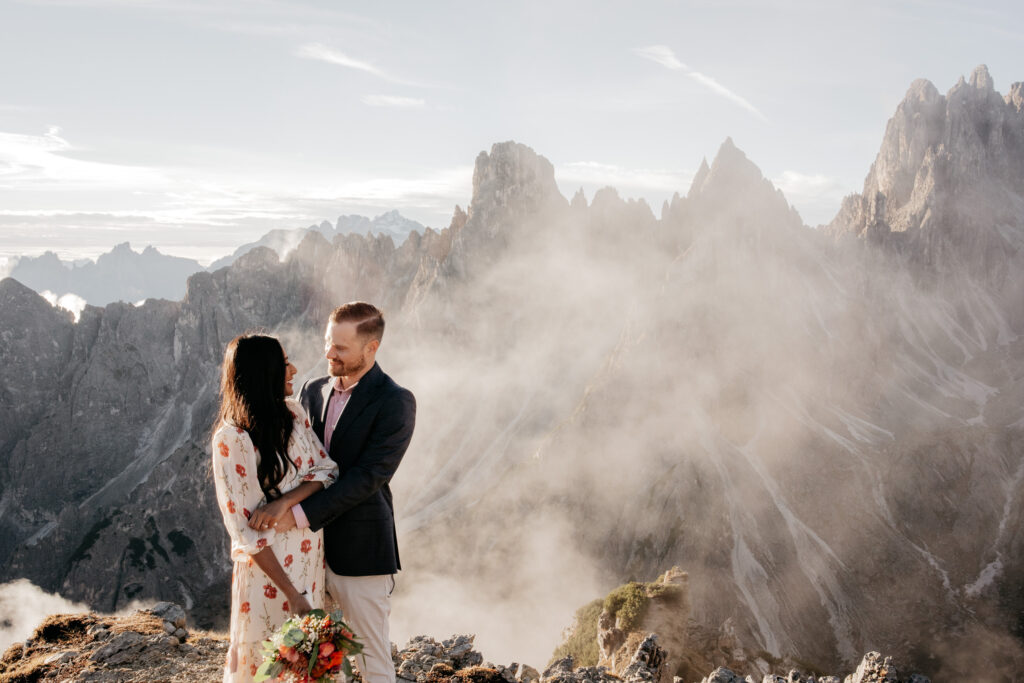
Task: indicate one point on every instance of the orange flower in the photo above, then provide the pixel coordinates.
(261, 543)
(284, 606)
(307, 424)
(240, 470)
(311, 462)
(270, 591)
(306, 546)
(231, 506)
(222, 448)
(244, 609)
(288, 560)
(308, 477)
(252, 669)
(298, 461)
(322, 453)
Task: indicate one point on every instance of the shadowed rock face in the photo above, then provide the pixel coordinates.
(824, 434)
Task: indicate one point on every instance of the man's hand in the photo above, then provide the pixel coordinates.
(287, 521)
(274, 515)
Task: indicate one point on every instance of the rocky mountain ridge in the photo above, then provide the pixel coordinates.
(825, 433)
(154, 645)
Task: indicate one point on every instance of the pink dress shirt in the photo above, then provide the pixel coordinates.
(335, 406)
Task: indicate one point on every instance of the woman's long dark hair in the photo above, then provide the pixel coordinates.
(252, 397)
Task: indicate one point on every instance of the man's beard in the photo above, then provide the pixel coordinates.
(346, 370)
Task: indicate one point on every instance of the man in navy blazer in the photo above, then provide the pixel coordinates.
(365, 421)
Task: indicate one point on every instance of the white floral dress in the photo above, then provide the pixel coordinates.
(258, 607)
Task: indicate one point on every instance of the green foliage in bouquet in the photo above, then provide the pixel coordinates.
(309, 649)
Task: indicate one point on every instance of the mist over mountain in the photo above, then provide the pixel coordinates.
(823, 428)
(391, 224)
(123, 274)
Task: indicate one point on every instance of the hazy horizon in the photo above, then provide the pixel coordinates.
(196, 128)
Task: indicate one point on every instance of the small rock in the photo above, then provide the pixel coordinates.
(527, 674)
(59, 658)
(119, 649)
(181, 634)
(169, 627)
(723, 675)
(168, 611)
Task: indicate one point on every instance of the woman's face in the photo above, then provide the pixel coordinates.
(289, 374)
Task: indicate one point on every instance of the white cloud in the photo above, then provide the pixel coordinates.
(69, 302)
(34, 161)
(394, 101)
(323, 53)
(663, 55)
(817, 197)
(24, 605)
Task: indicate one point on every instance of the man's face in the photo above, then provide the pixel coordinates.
(347, 354)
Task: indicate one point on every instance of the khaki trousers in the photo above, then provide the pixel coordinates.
(366, 602)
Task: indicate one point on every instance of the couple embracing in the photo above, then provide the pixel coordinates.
(303, 487)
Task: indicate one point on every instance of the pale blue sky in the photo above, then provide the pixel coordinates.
(197, 125)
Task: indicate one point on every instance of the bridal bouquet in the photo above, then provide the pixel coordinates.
(309, 649)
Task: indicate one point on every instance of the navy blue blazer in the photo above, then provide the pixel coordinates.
(357, 513)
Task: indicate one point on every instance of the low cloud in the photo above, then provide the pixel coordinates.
(23, 606)
(620, 177)
(70, 302)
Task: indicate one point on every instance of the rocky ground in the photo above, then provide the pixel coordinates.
(154, 645)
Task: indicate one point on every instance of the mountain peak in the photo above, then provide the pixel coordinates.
(512, 176)
(981, 80)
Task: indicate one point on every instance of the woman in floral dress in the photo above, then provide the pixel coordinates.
(275, 574)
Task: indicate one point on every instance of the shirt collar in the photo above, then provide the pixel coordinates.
(340, 390)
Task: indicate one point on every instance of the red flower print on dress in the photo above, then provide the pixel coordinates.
(285, 606)
(239, 430)
(309, 477)
(246, 512)
(288, 560)
(252, 669)
(270, 591)
(231, 506)
(318, 544)
(311, 462)
(244, 609)
(292, 414)
(306, 546)
(307, 424)
(323, 454)
(240, 470)
(314, 585)
(262, 543)
(222, 448)
(298, 461)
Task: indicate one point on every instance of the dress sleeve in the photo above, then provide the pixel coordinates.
(238, 490)
(315, 464)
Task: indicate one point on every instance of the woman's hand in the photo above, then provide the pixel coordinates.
(269, 515)
(299, 604)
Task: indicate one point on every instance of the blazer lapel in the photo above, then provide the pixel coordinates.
(325, 396)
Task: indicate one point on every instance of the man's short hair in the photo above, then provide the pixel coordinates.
(367, 317)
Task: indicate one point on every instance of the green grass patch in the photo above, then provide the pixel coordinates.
(628, 604)
(582, 645)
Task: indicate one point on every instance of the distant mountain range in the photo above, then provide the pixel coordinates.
(824, 428)
(126, 275)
